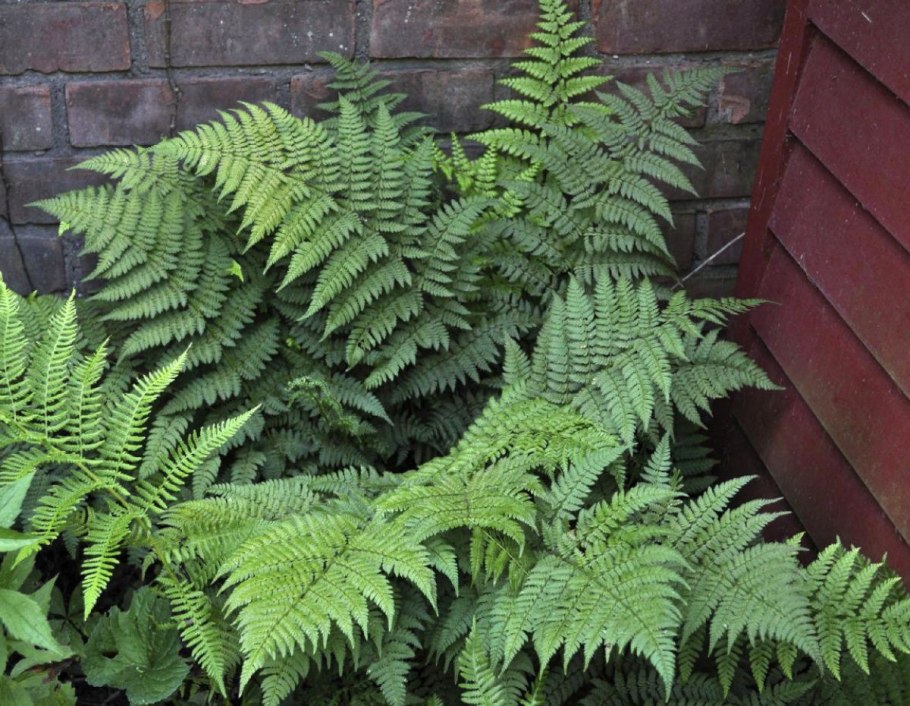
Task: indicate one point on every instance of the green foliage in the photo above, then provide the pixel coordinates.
(81, 440)
(293, 313)
(354, 254)
(146, 664)
(554, 542)
(23, 615)
(74, 451)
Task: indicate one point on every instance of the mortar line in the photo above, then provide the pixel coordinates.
(168, 72)
(5, 184)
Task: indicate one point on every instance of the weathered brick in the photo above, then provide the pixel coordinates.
(450, 98)
(64, 36)
(11, 266)
(452, 28)
(248, 32)
(743, 96)
(308, 90)
(665, 26)
(25, 118)
(724, 225)
(79, 266)
(202, 98)
(124, 112)
(712, 282)
(43, 254)
(681, 239)
(34, 179)
(728, 169)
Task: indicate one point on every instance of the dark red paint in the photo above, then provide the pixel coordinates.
(828, 240)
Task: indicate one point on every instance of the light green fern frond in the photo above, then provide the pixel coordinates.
(295, 581)
(203, 628)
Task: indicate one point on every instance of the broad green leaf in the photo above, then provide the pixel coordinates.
(24, 620)
(146, 664)
(11, 497)
(10, 540)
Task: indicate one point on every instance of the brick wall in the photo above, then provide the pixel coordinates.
(77, 77)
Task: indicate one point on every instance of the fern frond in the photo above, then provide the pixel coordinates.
(203, 628)
(856, 605)
(293, 582)
(482, 684)
(104, 540)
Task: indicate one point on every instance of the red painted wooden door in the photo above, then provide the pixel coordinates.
(829, 242)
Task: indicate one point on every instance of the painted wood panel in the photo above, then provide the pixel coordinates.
(854, 261)
(738, 447)
(859, 129)
(825, 492)
(842, 384)
(828, 240)
(874, 33)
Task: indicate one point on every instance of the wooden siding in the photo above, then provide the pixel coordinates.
(828, 242)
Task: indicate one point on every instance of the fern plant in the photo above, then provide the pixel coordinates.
(542, 544)
(354, 262)
(384, 423)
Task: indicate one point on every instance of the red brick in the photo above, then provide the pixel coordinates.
(201, 99)
(450, 98)
(728, 169)
(723, 226)
(743, 95)
(25, 118)
(452, 29)
(42, 251)
(127, 112)
(666, 26)
(309, 90)
(681, 239)
(229, 33)
(34, 179)
(64, 36)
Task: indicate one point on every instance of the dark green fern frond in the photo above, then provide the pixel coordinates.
(621, 357)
